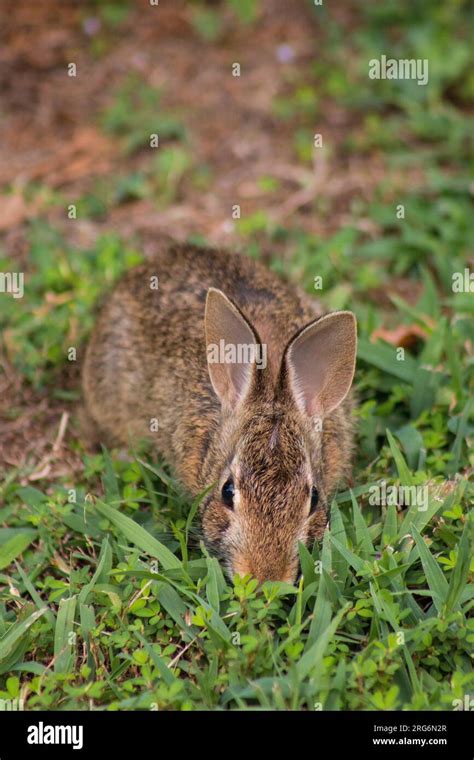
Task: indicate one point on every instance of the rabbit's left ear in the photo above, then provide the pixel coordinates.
(320, 362)
(227, 328)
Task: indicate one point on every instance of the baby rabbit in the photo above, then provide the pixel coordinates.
(248, 383)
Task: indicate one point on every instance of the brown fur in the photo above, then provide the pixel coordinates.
(147, 359)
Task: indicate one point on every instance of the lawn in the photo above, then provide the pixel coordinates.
(108, 598)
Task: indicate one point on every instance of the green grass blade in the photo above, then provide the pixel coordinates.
(307, 564)
(312, 659)
(437, 583)
(412, 442)
(111, 486)
(461, 571)
(64, 636)
(404, 473)
(35, 596)
(103, 566)
(453, 466)
(340, 564)
(384, 358)
(364, 542)
(16, 631)
(414, 516)
(139, 536)
(352, 559)
(15, 546)
(215, 583)
(390, 526)
(321, 614)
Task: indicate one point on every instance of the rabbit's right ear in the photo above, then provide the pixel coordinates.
(227, 330)
(319, 362)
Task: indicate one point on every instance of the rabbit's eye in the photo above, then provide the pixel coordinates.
(228, 493)
(314, 499)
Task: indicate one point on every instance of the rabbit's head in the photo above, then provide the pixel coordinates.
(278, 428)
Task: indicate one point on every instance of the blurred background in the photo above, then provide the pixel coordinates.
(83, 195)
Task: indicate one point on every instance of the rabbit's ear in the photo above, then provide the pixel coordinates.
(227, 331)
(320, 362)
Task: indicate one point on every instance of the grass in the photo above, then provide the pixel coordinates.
(135, 116)
(108, 600)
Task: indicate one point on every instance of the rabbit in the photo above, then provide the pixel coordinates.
(242, 383)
